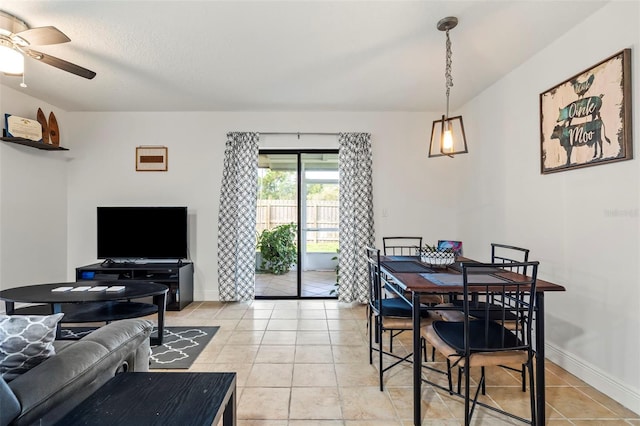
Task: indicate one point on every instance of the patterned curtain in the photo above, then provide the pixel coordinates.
(356, 215)
(237, 218)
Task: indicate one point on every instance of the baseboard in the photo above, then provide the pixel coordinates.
(614, 389)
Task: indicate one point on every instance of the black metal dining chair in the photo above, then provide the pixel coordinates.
(491, 334)
(386, 314)
(506, 257)
(401, 246)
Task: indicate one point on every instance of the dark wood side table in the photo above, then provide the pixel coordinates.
(142, 399)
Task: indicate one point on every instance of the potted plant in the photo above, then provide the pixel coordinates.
(437, 256)
(278, 248)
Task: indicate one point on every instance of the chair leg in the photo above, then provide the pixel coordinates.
(467, 390)
(380, 351)
(524, 377)
(484, 386)
(449, 378)
(532, 392)
(424, 349)
(370, 327)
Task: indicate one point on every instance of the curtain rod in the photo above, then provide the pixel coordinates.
(300, 133)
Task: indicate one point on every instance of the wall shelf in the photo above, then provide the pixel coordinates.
(34, 144)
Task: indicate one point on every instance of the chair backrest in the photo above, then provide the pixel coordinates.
(502, 253)
(401, 246)
(375, 278)
(507, 322)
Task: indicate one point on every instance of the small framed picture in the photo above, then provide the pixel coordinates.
(151, 159)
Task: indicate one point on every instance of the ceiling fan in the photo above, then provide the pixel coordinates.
(16, 39)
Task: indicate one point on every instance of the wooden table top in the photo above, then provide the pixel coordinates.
(416, 282)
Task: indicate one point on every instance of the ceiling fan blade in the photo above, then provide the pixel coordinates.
(43, 35)
(62, 64)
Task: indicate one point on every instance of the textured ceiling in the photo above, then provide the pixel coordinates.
(283, 55)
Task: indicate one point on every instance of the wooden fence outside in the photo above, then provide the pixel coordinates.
(320, 214)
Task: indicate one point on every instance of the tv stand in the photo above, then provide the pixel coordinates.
(177, 276)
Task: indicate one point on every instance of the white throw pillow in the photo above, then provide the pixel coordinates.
(25, 341)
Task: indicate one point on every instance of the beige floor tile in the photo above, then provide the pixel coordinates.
(314, 354)
(282, 324)
(349, 338)
(312, 324)
(314, 375)
(318, 314)
(237, 354)
(356, 375)
(313, 338)
(279, 338)
(432, 406)
(276, 354)
(230, 314)
(372, 423)
(264, 403)
(315, 403)
(261, 423)
(270, 375)
(258, 314)
(316, 423)
(612, 405)
(574, 404)
(252, 324)
(350, 354)
(366, 403)
(345, 325)
(240, 337)
(285, 314)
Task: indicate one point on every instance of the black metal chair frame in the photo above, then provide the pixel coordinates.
(501, 258)
(509, 299)
(402, 247)
(378, 304)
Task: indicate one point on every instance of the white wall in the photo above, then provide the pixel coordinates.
(33, 202)
(412, 190)
(582, 225)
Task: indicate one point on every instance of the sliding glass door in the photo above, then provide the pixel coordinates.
(297, 223)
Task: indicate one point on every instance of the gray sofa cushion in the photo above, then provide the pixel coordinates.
(9, 405)
(48, 391)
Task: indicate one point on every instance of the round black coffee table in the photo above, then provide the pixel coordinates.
(90, 306)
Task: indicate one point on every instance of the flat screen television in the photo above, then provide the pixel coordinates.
(142, 233)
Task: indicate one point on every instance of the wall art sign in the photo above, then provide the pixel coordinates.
(151, 159)
(586, 119)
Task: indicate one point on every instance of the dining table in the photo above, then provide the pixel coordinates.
(413, 277)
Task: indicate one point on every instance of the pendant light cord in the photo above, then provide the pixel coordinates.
(447, 74)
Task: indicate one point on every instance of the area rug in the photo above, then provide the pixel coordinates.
(181, 346)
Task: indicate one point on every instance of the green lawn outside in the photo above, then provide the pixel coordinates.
(322, 247)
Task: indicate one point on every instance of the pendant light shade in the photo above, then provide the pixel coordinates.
(447, 134)
(447, 137)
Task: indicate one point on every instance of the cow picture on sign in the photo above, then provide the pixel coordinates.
(586, 120)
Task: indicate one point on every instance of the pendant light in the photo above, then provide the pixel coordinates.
(447, 134)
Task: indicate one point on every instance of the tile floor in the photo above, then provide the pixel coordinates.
(314, 284)
(305, 363)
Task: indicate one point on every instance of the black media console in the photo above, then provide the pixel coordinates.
(177, 276)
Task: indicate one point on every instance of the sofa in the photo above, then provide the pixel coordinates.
(45, 393)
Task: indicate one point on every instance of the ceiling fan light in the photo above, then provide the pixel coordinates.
(11, 61)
